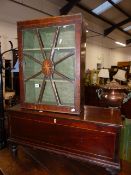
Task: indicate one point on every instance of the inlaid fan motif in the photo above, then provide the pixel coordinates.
(49, 61)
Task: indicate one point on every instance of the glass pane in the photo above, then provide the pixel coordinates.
(66, 67)
(49, 48)
(30, 40)
(66, 36)
(66, 93)
(49, 97)
(30, 65)
(32, 90)
(47, 35)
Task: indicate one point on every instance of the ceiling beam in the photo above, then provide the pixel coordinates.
(118, 8)
(66, 8)
(113, 27)
(101, 18)
(109, 30)
(128, 41)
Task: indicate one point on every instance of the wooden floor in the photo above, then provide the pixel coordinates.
(36, 162)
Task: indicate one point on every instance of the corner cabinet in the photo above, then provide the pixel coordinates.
(52, 56)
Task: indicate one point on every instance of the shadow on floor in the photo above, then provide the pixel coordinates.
(36, 162)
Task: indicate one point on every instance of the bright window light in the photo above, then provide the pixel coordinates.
(127, 28)
(104, 6)
(121, 44)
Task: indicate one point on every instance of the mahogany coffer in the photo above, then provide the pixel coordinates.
(93, 136)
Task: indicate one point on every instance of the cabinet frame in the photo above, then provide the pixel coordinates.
(80, 40)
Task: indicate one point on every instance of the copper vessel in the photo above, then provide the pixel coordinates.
(112, 94)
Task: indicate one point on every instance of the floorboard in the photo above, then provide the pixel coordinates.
(37, 162)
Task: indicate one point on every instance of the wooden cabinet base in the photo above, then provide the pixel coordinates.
(93, 136)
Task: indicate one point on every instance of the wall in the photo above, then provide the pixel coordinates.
(96, 54)
(120, 54)
(107, 57)
(8, 32)
(11, 12)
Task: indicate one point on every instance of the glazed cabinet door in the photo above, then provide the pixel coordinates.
(50, 66)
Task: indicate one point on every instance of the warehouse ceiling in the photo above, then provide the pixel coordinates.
(108, 20)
